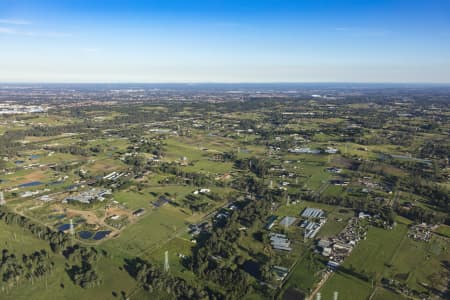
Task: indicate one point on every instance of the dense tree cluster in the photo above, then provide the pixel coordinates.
(153, 279)
(255, 165)
(213, 260)
(71, 149)
(83, 272)
(14, 269)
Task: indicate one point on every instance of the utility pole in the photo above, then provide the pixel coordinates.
(335, 295)
(304, 236)
(71, 231)
(166, 261)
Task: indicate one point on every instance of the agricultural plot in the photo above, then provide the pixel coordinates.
(149, 232)
(391, 254)
(179, 249)
(347, 286)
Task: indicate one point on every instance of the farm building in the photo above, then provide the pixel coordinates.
(162, 200)
(271, 222)
(88, 196)
(201, 191)
(312, 228)
(280, 242)
(288, 221)
(113, 176)
(323, 243)
(312, 213)
(139, 212)
(280, 272)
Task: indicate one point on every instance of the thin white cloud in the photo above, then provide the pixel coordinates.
(6, 30)
(14, 22)
(12, 31)
(47, 34)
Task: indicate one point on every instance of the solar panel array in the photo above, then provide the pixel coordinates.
(312, 213)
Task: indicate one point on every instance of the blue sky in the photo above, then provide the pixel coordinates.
(225, 41)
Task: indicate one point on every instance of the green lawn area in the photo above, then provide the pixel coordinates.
(369, 257)
(383, 294)
(177, 247)
(304, 275)
(315, 170)
(347, 286)
(444, 230)
(152, 229)
(295, 210)
(201, 159)
(208, 166)
(133, 200)
(391, 254)
(378, 250)
(175, 149)
(336, 222)
(420, 262)
(59, 286)
(18, 241)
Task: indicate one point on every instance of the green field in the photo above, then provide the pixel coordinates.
(347, 286)
(58, 285)
(149, 232)
(391, 254)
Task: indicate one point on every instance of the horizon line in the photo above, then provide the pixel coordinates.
(227, 82)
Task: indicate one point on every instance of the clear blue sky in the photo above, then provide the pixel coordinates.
(225, 41)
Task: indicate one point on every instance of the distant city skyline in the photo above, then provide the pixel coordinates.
(225, 41)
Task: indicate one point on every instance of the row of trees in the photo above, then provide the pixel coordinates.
(58, 240)
(196, 179)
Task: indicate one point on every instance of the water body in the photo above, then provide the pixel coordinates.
(58, 217)
(85, 234)
(30, 184)
(405, 157)
(101, 235)
(411, 158)
(64, 227)
(34, 156)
